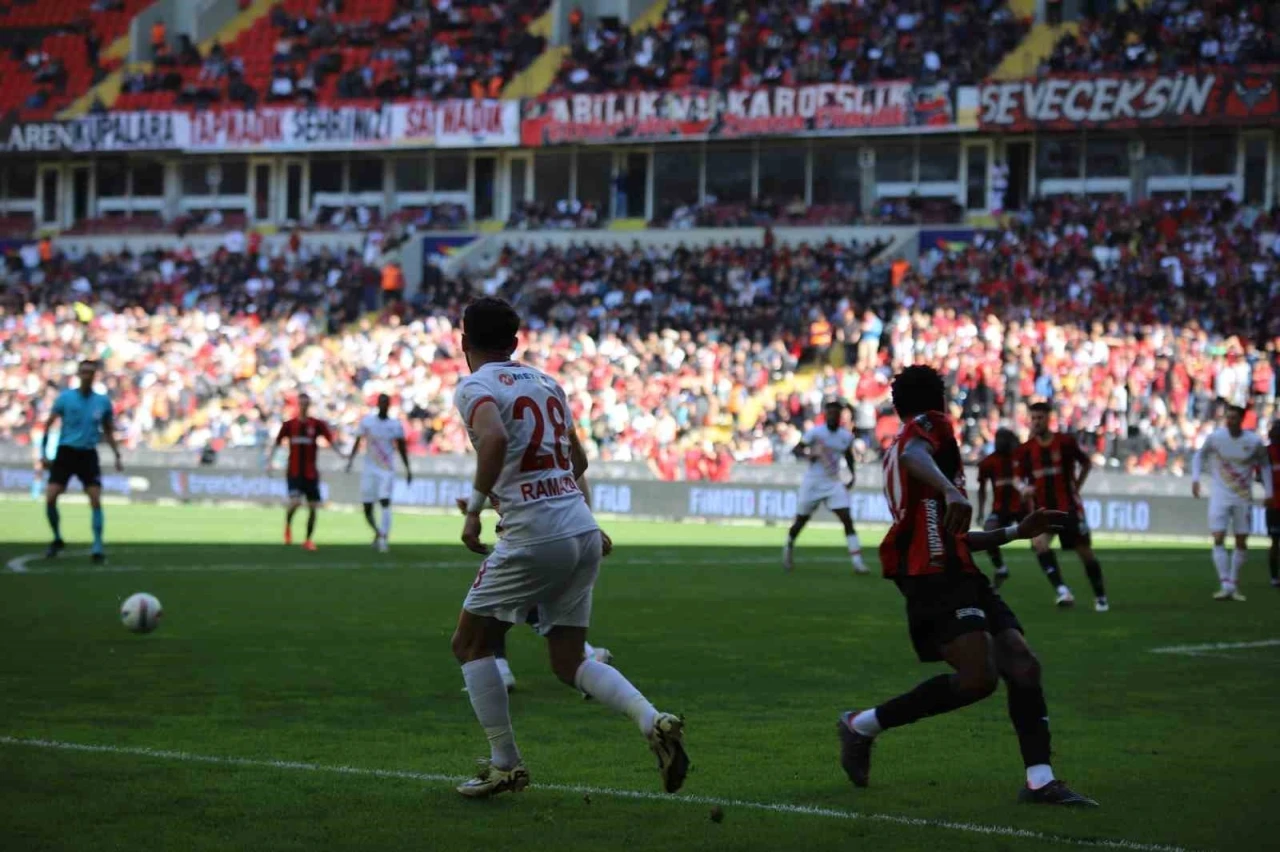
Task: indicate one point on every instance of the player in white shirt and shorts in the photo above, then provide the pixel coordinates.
(385, 437)
(825, 446)
(1236, 458)
(528, 463)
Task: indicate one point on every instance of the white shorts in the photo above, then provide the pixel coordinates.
(814, 494)
(1224, 513)
(376, 485)
(555, 577)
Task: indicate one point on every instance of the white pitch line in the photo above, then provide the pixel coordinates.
(1215, 646)
(642, 795)
(19, 564)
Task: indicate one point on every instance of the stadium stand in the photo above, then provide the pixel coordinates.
(729, 43)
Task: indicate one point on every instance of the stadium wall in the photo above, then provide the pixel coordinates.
(676, 501)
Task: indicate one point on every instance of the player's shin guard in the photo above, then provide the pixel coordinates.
(1094, 570)
(386, 522)
(55, 519)
(933, 697)
(1030, 717)
(1238, 557)
(1049, 564)
(97, 523)
(607, 685)
(488, 696)
(1220, 558)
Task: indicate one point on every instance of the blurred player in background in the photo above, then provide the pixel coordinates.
(1053, 469)
(953, 614)
(998, 473)
(302, 476)
(1272, 474)
(385, 436)
(1236, 458)
(86, 420)
(528, 461)
(824, 446)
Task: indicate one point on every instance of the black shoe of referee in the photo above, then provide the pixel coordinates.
(1055, 793)
(55, 547)
(855, 751)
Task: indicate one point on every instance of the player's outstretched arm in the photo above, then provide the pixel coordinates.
(918, 461)
(1086, 466)
(53, 418)
(355, 450)
(1037, 523)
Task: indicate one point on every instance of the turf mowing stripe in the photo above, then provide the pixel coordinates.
(772, 807)
(1215, 646)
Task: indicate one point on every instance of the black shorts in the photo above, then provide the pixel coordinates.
(304, 486)
(999, 520)
(72, 461)
(1273, 523)
(941, 607)
(1075, 531)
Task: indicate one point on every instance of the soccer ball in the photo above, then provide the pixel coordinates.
(141, 613)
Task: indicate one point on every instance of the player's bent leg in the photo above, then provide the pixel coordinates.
(97, 523)
(1093, 570)
(792, 534)
(51, 495)
(851, 538)
(1020, 669)
(472, 644)
(1049, 564)
(975, 677)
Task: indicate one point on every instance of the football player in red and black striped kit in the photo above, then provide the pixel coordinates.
(1053, 469)
(302, 476)
(1273, 507)
(953, 613)
(997, 472)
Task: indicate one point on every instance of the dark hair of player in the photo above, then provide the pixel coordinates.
(1041, 407)
(91, 363)
(491, 325)
(918, 389)
(833, 403)
(1235, 409)
(1006, 441)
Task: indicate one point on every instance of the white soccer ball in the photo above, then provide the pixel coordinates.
(141, 613)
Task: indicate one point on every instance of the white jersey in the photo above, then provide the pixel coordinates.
(1234, 462)
(826, 454)
(536, 493)
(380, 436)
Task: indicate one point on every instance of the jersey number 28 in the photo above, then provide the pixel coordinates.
(534, 458)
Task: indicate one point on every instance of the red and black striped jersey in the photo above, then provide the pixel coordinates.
(917, 543)
(301, 433)
(999, 470)
(1051, 468)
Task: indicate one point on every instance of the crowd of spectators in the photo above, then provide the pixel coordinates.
(1138, 321)
(724, 43)
(1168, 35)
(326, 51)
(565, 214)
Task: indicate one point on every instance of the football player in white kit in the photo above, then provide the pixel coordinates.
(528, 461)
(824, 446)
(385, 437)
(1237, 456)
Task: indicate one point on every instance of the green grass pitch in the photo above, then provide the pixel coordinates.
(309, 701)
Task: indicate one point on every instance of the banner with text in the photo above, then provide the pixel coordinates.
(438, 124)
(113, 131)
(1122, 514)
(822, 109)
(1219, 95)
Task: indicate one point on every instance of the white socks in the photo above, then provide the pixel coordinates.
(588, 651)
(385, 531)
(504, 669)
(606, 684)
(488, 696)
(1238, 557)
(1039, 775)
(866, 723)
(1220, 564)
(855, 549)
